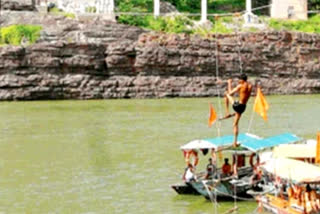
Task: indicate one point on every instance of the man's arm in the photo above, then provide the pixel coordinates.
(236, 89)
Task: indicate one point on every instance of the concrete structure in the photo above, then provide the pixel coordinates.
(72, 6)
(249, 17)
(156, 8)
(82, 6)
(204, 8)
(289, 9)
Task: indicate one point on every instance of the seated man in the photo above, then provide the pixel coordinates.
(189, 174)
(256, 178)
(211, 170)
(226, 168)
(310, 200)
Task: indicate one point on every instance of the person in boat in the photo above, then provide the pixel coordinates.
(226, 168)
(211, 170)
(311, 201)
(256, 178)
(297, 198)
(244, 89)
(189, 174)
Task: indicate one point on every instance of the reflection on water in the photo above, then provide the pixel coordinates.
(119, 156)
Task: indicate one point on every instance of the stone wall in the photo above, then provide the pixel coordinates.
(99, 59)
(19, 5)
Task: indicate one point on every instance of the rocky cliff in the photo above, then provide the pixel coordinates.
(93, 59)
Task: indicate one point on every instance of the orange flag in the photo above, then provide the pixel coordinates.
(260, 105)
(212, 116)
(318, 149)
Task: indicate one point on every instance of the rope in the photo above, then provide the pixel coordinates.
(218, 125)
(252, 116)
(251, 121)
(234, 186)
(239, 47)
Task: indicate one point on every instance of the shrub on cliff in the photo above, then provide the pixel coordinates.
(59, 12)
(218, 27)
(134, 6)
(15, 34)
(171, 24)
(312, 25)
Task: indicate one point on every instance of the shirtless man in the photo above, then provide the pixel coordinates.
(244, 89)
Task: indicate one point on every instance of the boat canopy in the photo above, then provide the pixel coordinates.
(270, 142)
(294, 170)
(248, 141)
(295, 151)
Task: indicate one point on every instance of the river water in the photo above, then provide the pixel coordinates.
(120, 156)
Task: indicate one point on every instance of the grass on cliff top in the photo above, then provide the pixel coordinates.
(312, 25)
(183, 24)
(17, 34)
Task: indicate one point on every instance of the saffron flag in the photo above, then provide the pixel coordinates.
(318, 149)
(212, 116)
(260, 105)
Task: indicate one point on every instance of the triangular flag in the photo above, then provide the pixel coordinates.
(212, 116)
(318, 149)
(260, 105)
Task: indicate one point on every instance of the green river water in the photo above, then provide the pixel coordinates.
(120, 156)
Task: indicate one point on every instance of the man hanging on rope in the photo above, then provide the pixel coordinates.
(244, 89)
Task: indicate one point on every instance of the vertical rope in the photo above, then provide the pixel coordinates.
(251, 120)
(252, 116)
(218, 124)
(235, 186)
(239, 45)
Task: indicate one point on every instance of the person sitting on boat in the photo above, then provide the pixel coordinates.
(310, 198)
(211, 170)
(189, 174)
(256, 178)
(297, 198)
(244, 89)
(226, 168)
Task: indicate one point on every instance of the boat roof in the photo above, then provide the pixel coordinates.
(248, 141)
(294, 170)
(295, 151)
(270, 142)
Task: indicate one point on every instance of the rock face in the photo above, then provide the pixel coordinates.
(96, 59)
(19, 5)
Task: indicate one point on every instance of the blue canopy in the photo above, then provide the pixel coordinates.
(225, 141)
(256, 145)
(247, 141)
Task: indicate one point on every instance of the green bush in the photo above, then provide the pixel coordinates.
(218, 27)
(312, 25)
(134, 6)
(14, 34)
(91, 9)
(172, 24)
(57, 11)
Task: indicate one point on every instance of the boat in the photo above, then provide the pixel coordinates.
(304, 152)
(238, 183)
(301, 181)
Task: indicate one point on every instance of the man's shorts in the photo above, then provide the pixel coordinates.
(238, 107)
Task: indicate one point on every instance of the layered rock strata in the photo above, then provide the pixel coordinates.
(98, 59)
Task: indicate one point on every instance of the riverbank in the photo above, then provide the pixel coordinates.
(91, 58)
